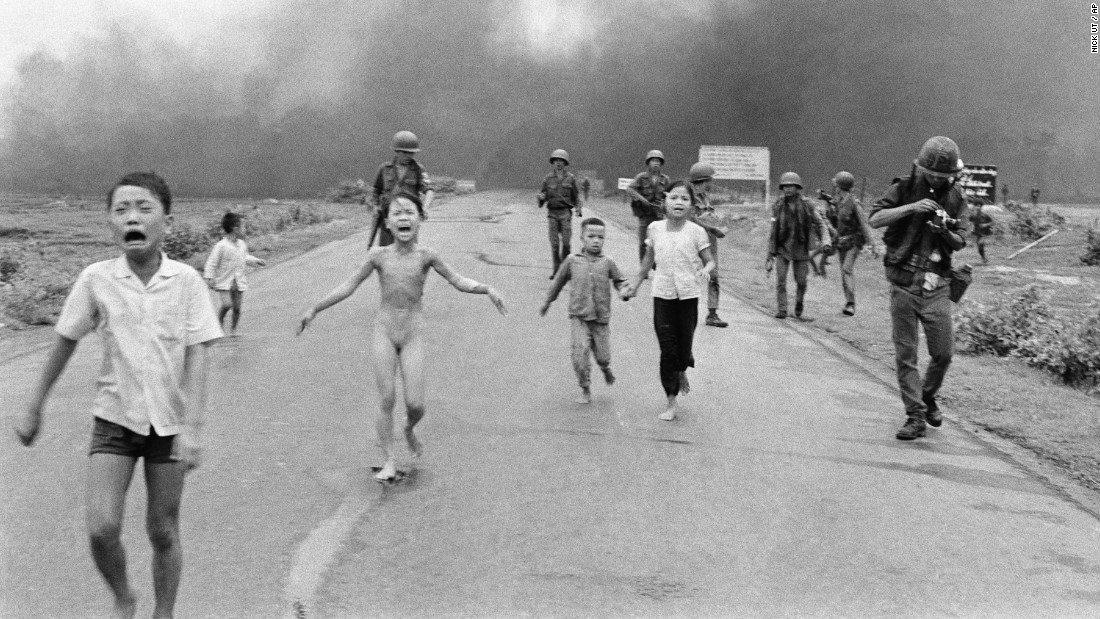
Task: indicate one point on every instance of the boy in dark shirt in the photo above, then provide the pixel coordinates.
(589, 303)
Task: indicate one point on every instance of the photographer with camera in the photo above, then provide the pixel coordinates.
(845, 215)
(925, 219)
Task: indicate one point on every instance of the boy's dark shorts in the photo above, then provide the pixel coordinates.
(111, 438)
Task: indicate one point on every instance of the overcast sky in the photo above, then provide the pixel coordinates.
(276, 97)
(28, 25)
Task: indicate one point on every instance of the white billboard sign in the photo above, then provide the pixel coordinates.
(625, 182)
(741, 163)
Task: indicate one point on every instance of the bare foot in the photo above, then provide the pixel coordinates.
(388, 472)
(585, 397)
(125, 607)
(416, 448)
(670, 412)
(685, 387)
(608, 377)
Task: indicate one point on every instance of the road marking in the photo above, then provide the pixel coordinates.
(316, 554)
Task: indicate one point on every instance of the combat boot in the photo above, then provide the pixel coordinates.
(914, 428)
(714, 321)
(932, 413)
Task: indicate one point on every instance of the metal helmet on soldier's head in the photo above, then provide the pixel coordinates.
(939, 157)
(406, 141)
(790, 178)
(560, 154)
(701, 171)
(655, 154)
(844, 180)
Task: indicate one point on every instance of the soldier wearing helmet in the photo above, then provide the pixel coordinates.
(402, 175)
(700, 176)
(647, 195)
(846, 217)
(795, 221)
(560, 193)
(925, 219)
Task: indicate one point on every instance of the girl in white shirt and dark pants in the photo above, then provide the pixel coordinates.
(681, 252)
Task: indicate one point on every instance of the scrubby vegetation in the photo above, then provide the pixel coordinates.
(353, 192)
(1030, 222)
(33, 285)
(1022, 325)
(1091, 256)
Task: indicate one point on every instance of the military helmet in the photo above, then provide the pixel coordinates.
(844, 180)
(406, 141)
(655, 154)
(790, 178)
(560, 154)
(701, 171)
(939, 157)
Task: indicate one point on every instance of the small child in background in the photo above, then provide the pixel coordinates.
(225, 270)
(592, 274)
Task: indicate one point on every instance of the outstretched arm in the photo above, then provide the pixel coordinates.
(562, 276)
(465, 284)
(27, 427)
(648, 261)
(339, 293)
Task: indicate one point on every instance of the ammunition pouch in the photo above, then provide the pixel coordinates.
(960, 281)
(902, 272)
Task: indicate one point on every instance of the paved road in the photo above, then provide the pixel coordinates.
(779, 492)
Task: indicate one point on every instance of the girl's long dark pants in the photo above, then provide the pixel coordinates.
(674, 321)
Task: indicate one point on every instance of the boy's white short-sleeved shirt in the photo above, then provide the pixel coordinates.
(227, 264)
(677, 256)
(146, 329)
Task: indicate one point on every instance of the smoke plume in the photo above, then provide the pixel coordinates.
(292, 101)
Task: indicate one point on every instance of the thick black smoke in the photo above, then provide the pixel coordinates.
(847, 84)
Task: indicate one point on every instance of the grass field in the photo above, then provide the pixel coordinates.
(1001, 395)
(45, 243)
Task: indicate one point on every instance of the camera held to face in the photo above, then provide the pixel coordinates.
(942, 220)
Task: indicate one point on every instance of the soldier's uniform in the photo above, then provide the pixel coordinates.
(562, 194)
(652, 187)
(794, 222)
(393, 180)
(852, 232)
(983, 227)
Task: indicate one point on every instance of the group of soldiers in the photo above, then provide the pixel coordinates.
(924, 215)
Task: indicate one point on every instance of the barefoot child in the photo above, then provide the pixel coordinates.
(225, 269)
(589, 303)
(684, 261)
(402, 269)
(156, 321)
